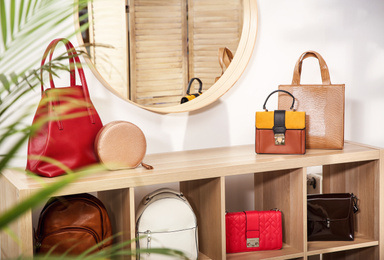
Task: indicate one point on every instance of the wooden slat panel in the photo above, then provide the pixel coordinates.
(112, 63)
(158, 41)
(158, 51)
(212, 24)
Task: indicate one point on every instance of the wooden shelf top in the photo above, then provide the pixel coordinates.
(197, 164)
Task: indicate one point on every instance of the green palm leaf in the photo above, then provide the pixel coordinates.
(24, 25)
(3, 20)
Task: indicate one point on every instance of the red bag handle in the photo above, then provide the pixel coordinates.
(74, 62)
(323, 68)
(71, 64)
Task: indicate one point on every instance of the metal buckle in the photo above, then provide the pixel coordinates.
(253, 242)
(279, 139)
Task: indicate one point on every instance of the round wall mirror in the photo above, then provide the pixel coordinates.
(147, 52)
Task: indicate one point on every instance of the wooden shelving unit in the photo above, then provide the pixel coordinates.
(279, 182)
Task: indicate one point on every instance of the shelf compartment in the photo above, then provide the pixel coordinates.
(206, 197)
(284, 190)
(353, 254)
(324, 247)
(361, 179)
(120, 206)
(280, 181)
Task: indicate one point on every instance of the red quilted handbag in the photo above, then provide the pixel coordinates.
(72, 123)
(253, 231)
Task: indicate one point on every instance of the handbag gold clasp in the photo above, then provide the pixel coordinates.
(279, 139)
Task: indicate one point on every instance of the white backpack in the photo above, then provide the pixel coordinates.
(165, 219)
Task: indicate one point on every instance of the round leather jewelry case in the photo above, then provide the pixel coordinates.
(121, 145)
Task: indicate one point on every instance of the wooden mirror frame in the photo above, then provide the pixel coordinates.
(226, 81)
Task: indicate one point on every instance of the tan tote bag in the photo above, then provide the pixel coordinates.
(323, 104)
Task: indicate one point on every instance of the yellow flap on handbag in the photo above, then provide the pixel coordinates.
(293, 120)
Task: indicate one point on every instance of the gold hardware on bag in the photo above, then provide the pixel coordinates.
(279, 139)
(253, 242)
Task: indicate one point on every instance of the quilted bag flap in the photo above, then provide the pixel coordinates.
(264, 229)
(248, 231)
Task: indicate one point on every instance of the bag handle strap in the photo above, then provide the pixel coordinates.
(279, 90)
(225, 58)
(150, 196)
(74, 63)
(190, 84)
(221, 60)
(71, 64)
(325, 78)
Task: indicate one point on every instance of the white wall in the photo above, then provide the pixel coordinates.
(348, 33)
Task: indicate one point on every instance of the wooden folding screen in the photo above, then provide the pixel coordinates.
(212, 24)
(160, 44)
(111, 58)
(158, 51)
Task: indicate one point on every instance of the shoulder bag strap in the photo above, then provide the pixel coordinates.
(155, 193)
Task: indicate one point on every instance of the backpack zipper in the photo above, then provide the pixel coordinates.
(95, 203)
(149, 238)
(61, 230)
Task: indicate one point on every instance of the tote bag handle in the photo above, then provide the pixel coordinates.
(71, 63)
(325, 78)
(74, 62)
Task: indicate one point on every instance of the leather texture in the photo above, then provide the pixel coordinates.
(165, 218)
(294, 142)
(330, 217)
(120, 144)
(72, 123)
(323, 104)
(72, 224)
(279, 122)
(246, 226)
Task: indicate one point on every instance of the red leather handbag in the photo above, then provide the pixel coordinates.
(249, 231)
(65, 141)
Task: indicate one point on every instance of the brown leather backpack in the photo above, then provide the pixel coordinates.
(72, 224)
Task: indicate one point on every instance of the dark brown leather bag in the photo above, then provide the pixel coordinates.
(330, 217)
(73, 224)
